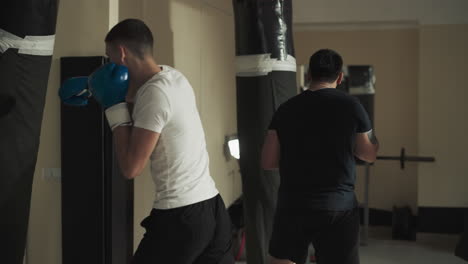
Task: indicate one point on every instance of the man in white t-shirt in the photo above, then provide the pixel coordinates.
(159, 122)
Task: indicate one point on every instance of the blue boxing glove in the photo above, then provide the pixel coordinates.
(74, 91)
(109, 84)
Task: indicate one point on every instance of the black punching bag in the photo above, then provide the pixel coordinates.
(462, 246)
(266, 77)
(27, 34)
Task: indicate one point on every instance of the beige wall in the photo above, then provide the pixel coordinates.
(203, 43)
(76, 35)
(197, 38)
(377, 11)
(443, 115)
(203, 49)
(394, 55)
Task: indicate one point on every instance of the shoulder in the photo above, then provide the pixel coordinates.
(154, 91)
(160, 82)
(169, 74)
(344, 98)
(339, 94)
(292, 102)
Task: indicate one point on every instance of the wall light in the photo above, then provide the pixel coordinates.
(231, 147)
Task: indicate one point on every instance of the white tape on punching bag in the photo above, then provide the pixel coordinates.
(30, 45)
(262, 64)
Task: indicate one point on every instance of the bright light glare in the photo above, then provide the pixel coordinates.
(234, 148)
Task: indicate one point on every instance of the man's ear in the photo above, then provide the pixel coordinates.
(340, 78)
(123, 52)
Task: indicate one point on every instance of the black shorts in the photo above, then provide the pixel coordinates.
(198, 233)
(334, 235)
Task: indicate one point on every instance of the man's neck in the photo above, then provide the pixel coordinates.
(321, 85)
(140, 73)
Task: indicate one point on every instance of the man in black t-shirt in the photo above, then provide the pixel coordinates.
(313, 139)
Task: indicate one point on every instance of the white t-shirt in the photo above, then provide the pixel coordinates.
(179, 163)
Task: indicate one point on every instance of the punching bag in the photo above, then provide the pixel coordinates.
(265, 78)
(462, 246)
(27, 29)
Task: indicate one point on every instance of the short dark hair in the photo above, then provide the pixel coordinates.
(134, 34)
(325, 65)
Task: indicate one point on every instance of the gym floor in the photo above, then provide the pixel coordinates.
(429, 248)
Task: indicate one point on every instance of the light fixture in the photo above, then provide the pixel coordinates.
(231, 147)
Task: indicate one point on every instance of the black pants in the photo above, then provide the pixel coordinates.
(198, 233)
(334, 234)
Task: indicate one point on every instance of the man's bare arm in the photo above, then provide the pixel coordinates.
(367, 146)
(133, 146)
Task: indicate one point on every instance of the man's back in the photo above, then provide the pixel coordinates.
(316, 132)
(313, 139)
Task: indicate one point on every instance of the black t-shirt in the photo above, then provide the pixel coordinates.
(317, 131)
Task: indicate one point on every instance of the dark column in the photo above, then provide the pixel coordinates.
(97, 201)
